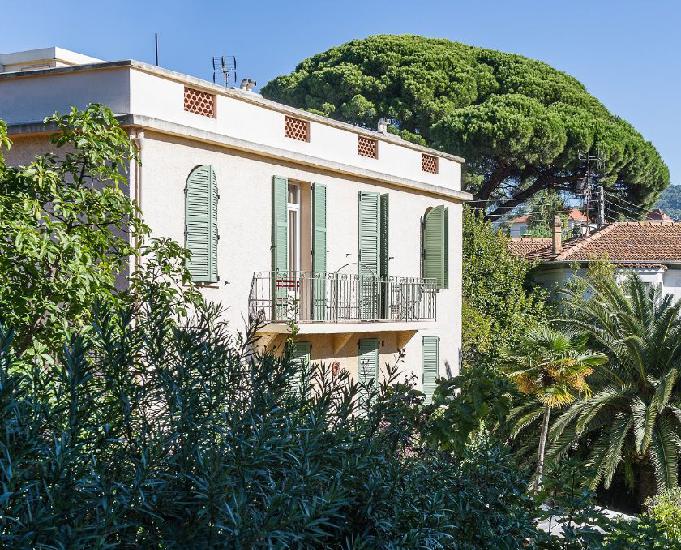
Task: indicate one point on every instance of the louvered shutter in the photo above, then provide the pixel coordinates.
(319, 250)
(201, 224)
(434, 246)
(279, 246)
(369, 246)
(300, 355)
(384, 256)
(367, 368)
(431, 360)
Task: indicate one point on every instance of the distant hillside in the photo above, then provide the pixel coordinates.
(670, 201)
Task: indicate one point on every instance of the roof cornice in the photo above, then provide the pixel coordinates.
(228, 142)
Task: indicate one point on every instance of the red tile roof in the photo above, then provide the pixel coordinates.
(619, 242)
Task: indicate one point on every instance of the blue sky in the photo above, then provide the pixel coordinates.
(627, 53)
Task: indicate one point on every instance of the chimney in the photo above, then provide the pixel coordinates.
(557, 235)
(247, 84)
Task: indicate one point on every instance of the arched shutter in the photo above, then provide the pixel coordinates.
(201, 224)
(435, 243)
(431, 360)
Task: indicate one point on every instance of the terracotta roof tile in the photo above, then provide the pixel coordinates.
(620, 242)
(531, 248)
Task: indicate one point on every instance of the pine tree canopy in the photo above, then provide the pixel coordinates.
(520, 124)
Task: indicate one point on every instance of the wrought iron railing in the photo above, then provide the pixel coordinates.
(340, 297)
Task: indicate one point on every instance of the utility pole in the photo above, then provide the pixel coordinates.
(590, 160)
(601, 206)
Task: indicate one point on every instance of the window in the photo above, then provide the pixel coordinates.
(372, 253)
(429, 163)
(434, 246)
(431, 359)
(367, 147)
(300, 356)
(293, 209)
(296, 128)
(199, 102)
(367, 372)
(201, 224)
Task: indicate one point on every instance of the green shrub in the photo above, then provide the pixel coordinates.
(158, 429)
(665, 508)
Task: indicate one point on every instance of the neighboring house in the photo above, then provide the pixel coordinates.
(519, 226)
(652, 249)
(353, 235)
(659, 215)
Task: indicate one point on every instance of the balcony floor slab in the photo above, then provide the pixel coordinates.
(338, 328)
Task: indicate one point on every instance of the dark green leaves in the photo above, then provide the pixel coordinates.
(518, 122)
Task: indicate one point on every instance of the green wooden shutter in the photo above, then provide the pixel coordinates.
(384, 256)
(368, 254)
(434, 246)
(201, 224)
(300, 355)
(279, 245)
(367, 368)
(431, 360)
(319, 250)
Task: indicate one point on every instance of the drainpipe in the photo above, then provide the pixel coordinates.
(138, 140)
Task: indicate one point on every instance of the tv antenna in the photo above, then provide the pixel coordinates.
(225, 65)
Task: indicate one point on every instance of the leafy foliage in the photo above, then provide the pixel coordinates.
(157, 429)
(477, 400)
(499, 305)
(666, 509)
(552, 367)
(68, 228)
(632, 420)
(543, 208)
(519, 123)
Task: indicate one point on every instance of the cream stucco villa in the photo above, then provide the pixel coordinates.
(353, 235)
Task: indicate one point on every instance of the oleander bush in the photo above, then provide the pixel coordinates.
(156, 428)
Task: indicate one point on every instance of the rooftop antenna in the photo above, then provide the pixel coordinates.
(225, 65)
(156, 46)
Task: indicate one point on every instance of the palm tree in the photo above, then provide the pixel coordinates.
(633, 417)
(551, 366)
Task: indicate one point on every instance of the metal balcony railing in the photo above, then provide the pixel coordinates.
(294, 296)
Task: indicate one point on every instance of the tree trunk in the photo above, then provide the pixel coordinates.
(542, 448)
(647, 482)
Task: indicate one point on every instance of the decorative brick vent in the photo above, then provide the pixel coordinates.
(198, 102)
(429, 163)
(367, 147)
(296, 128)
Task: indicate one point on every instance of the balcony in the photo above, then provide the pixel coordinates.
(303, 298)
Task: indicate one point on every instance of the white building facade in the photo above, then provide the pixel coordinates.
(352, 236)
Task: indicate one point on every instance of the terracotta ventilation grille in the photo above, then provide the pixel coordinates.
(199, 103)
(296, 128)
(367, 147)
(429, 163)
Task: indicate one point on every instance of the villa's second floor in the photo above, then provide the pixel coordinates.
(150, 96)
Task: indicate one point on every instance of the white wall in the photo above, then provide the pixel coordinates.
(32, 98)
(244, 214)
(129, 90)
